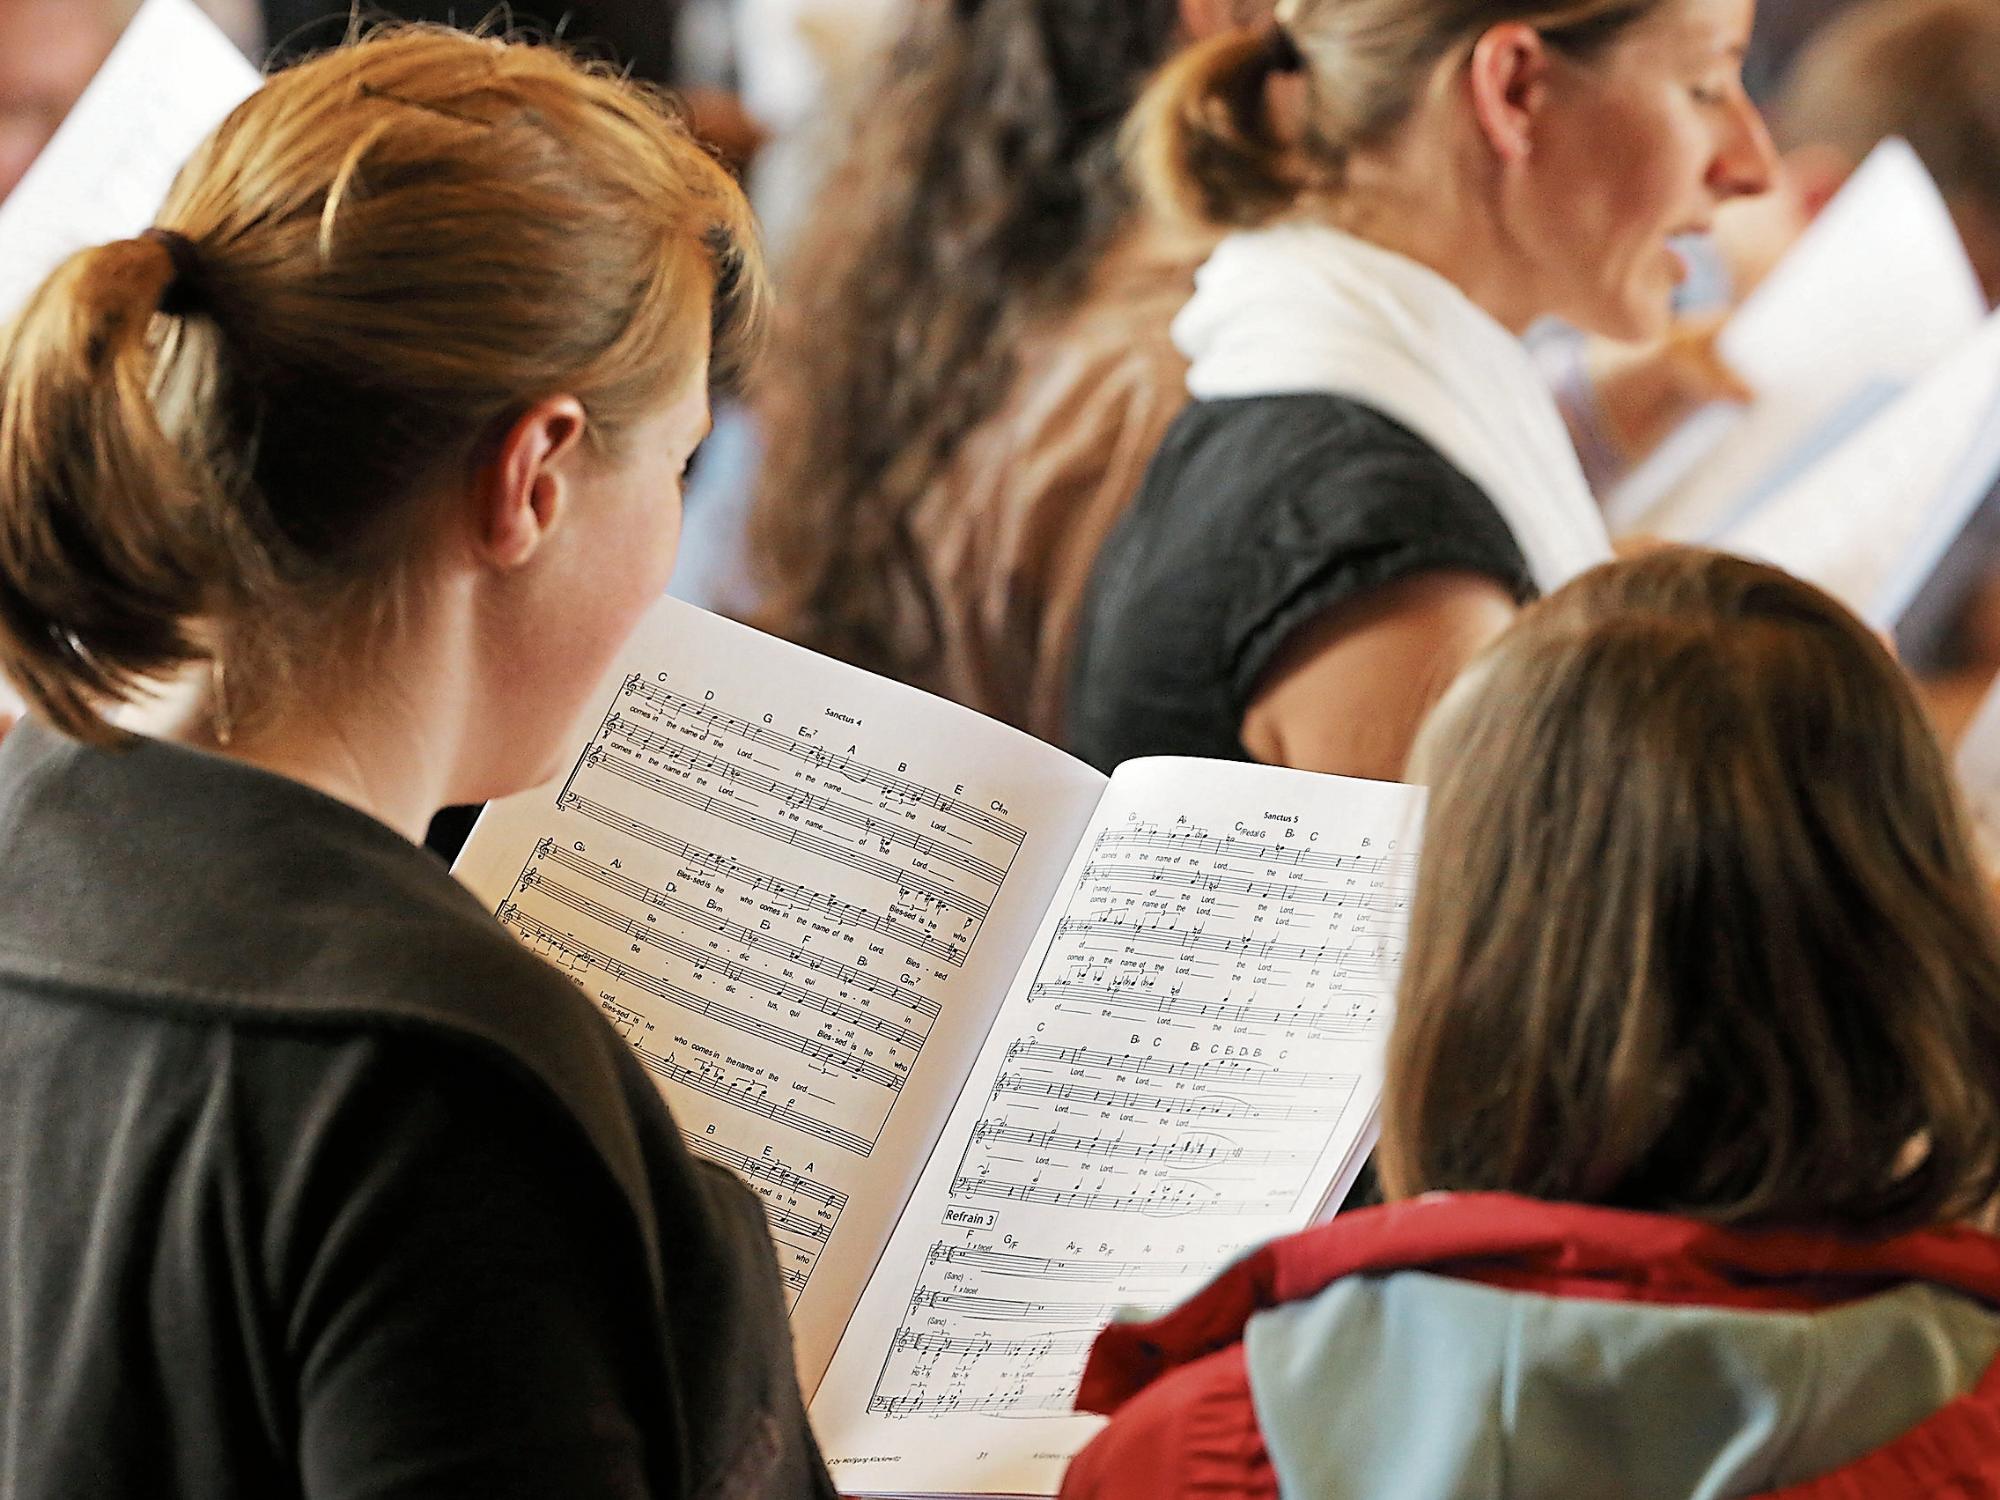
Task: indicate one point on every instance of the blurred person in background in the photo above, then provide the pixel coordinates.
(1373, 475)
(1928, 71)
(50, 50)
(1922, 70)
(975, 366)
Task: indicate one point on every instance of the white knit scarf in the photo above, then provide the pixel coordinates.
(1301, 308)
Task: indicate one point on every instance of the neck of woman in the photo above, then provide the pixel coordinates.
(392, 740)
(1420, 198)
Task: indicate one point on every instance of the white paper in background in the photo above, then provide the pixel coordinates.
(170, 81)
(1875, 292)
(1871, 520)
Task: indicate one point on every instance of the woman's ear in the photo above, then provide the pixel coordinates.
(1509, 79)
(523, 491)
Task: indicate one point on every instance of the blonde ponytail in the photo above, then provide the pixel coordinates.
(226, 439)
(1202, 141)
(102, 560)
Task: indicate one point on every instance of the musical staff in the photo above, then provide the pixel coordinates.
(901, 787)
(1231, 1106)
(565, 946)
(1188, 1152)
(1222, 1069)
(767, 1170)
(691, 916)
(1148, 836)
(1346, 960)
(797, 836)
(846, 914)
(803, 1212)
(1049, 1268)
(987, 1348)
(699, 960)
(1175, 1080)
(883, 830)
(1153, 1202)
(1300, 893)
(1134, 996)
(702, 1081)
(1014, 1309)
(920, 1406)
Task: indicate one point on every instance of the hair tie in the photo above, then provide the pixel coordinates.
(1281, 53)
(182, 293)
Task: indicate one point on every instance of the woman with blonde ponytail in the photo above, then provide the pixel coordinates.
(1373, 477)
(343, 485)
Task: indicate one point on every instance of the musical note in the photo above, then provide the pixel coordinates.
(1243, 968)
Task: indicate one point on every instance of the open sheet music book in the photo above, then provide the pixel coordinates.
(1870, 521)
(1005, 1046)
(1876, 291)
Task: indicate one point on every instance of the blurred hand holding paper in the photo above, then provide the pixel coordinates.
(1869, 521)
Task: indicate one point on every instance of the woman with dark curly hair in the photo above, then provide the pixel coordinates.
(976, 367)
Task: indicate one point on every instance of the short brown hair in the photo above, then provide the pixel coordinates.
(383, 256)
(1202, 141)
(1697, 928)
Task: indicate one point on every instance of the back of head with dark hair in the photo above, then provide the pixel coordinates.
(980, 185)
(1697, 928)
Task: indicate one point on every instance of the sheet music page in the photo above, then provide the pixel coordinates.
(1872, 520)
(1876, 291)
(167, 84)
(800, 892)
(1185, 1063)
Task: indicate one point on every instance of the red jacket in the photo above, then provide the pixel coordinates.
(1180, 1387)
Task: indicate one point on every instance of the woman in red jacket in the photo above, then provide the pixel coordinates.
(1696, 1066)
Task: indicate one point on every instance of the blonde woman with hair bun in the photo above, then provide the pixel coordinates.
(313, 1181)
(1373, 476)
